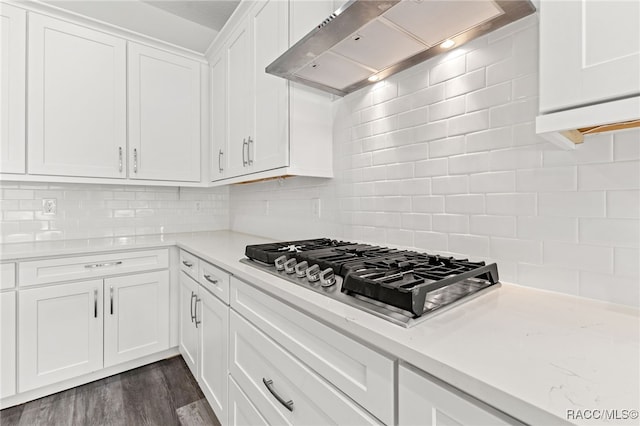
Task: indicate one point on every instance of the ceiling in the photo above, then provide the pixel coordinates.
(186, 23)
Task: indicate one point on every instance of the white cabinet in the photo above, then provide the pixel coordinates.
(589, 67)
(7, 344)
(283, 389)
(188, 330)
(164, 115)
(268, 127)
(76, 100)
(213, 316)
(423, 401)
(13, 30)
(136, 316)
(241, 411)
(204, 328)
(589, 52)
(60, 333)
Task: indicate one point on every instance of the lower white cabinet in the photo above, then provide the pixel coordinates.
(67, 330)
(423, 401)
(283, 389)
(136, 316)
(241, 411)
(60, 333)
(7, 344)
(204, 337)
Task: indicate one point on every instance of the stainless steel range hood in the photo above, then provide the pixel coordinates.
(368, 40)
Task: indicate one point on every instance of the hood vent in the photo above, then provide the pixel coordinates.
(368, 40)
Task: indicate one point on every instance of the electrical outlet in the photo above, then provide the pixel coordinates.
(197, 206)
(315, 207)
(49, 206)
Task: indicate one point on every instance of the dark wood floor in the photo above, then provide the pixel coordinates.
(162, 393)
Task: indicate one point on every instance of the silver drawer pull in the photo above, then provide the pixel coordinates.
(269, 384)
(211, 280)
(187, 264)
(102, 265)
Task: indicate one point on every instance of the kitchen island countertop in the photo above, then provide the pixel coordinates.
(533, 354)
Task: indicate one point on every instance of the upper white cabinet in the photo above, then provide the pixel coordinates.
(164, 115)
(76, 100)
(262, 125)
(589, 66)
(13, 32)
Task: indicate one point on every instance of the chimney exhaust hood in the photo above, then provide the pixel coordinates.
(368, 40)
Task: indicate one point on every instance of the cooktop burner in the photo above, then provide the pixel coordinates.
(400, 285)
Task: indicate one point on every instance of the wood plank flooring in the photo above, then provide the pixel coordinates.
(163, 393)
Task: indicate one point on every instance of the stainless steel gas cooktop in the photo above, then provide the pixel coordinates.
(401, 286)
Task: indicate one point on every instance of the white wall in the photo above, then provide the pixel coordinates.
(93, 211)
(443, 157)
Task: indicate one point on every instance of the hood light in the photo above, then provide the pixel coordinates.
(374, 78)
(447, 44)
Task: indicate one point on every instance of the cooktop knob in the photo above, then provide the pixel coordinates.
(289, 265)
(327, 278)
(301, 269)
(313, 273)
(279, 262)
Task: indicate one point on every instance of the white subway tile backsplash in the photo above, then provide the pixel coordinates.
(469, 163)
(428, 96)
(413, 117)
(548, 278)
(626, 145)
(597, 150)
(489, 139)
(548, 228)
(469, 245)
(584, 257)
(526, 157)
(465, 84)
(465, 204)
(611, 232)
(431, 241)
(428, 204)
(450, 185)
(516, 250)
(447, 109)
(497, 226)
(431, 131)
(433, 167)
(468, 123)
(627, 262)
(613, 288)
(572, 204)
(491, 96)
(609, 176)
(492, 182)
(447, 147)
(490, 54)
(526, 86)
(450, 223)
(623, 204)
(547, 179)
(447, 70)
(416, 221)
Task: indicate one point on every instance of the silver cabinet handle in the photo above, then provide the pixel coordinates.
(249, 142)
(212, 281)
(187, 264)
(244, 159)
(135, 160)
(111, 300)
(120, 158)
(220, 154)
(95, 303)
(269, 384)
(196, 311)
(102, 265)
(193, 295)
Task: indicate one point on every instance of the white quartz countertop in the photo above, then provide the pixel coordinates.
(533, 354)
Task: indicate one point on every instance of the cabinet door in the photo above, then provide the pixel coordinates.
(241, 411)
(76, 100)
(188, 331)
(213, 316)
(269, 144)
(60, 333)
(13, 33)
(589, 52)
(7, 344)
(239, 100)
(164, 115)
(423, 402)
(219, 151)
(136, 316)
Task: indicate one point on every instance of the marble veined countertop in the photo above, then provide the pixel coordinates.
(533, 354)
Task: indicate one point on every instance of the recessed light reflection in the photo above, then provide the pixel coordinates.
(447, 44)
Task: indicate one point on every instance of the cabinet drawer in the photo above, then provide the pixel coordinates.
(7, 275)
(215, 280)
(241, 411)
(361, 373)
(82, 267)
(281, 387)
(189, 264)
